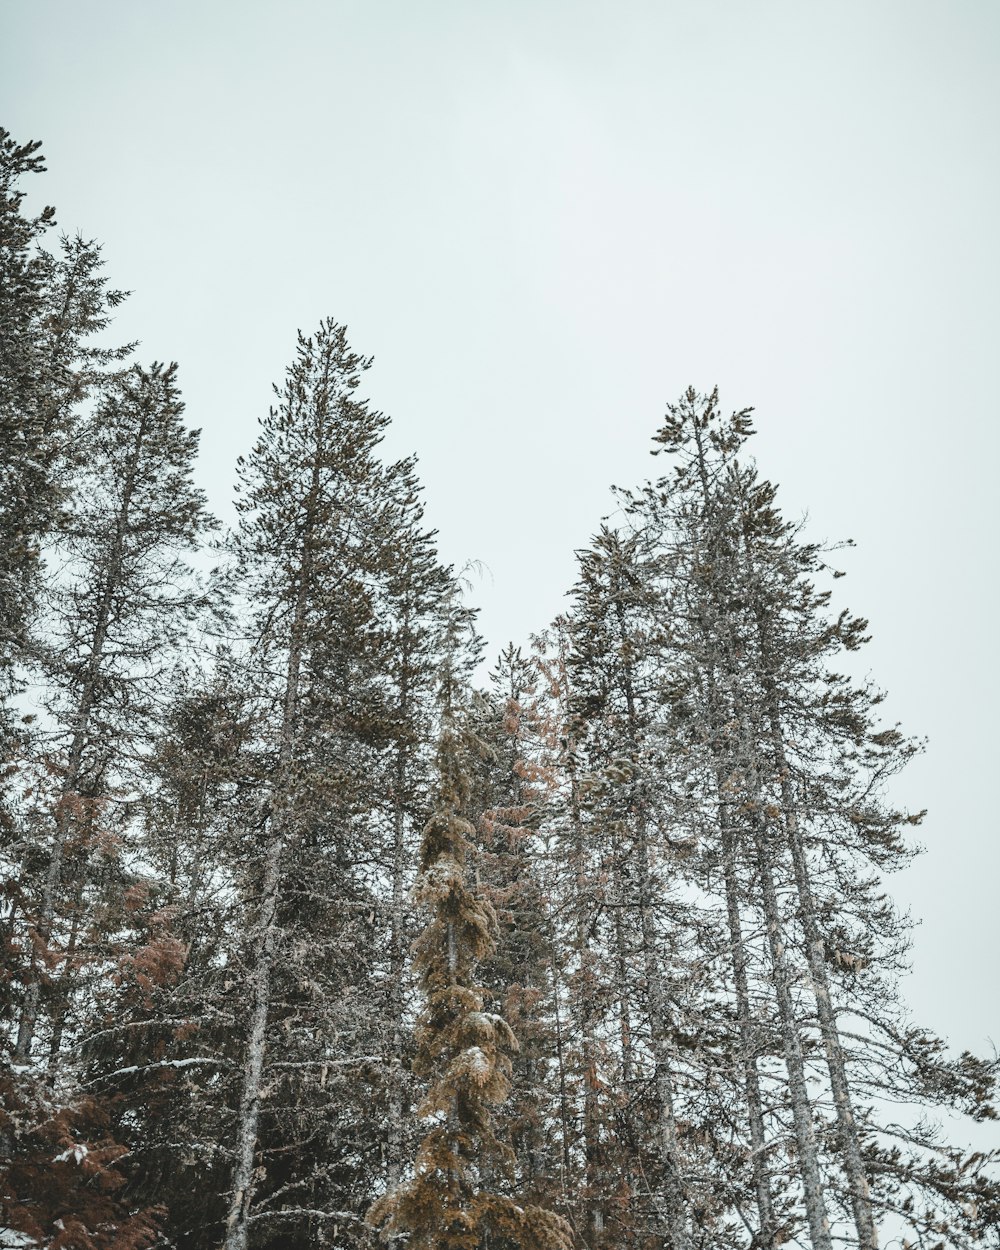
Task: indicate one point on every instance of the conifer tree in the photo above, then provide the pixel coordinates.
(126, 600)
(580, 965)
(122, 604)
(348, 602)
(414, 611)
(793, 759)
(51, 304)
(463, 1051)
(163, 1049)
(509, 795)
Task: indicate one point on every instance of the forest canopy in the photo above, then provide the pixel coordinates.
(312, 938)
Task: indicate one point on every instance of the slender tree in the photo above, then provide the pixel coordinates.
(348, 603)
(121, 604)
(797, 761)
(51, 305)
(463, 1051)
(125, 599)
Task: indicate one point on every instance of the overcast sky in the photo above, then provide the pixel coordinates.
(545, 220)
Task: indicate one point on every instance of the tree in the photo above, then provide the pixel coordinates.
(348, 605)
(125, 601)
(463, 1051)
(50, 306)
(793, 760)
(508, 798)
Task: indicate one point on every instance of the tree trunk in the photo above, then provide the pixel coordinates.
(397, 938)
(656, 997)
(748, 1043)
(670, 1154)
(805, 1133)
(861, 1206)
(237, 1221)
(266, 935)
(594, 1173)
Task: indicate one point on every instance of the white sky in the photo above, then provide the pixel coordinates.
(547, 219)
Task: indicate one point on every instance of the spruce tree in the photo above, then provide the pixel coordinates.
(122, 603)
(164, 1047)
(581, 969)
(508, 798)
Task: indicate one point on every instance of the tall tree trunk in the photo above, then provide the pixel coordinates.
(656, 996)
(266, 935)
(659, 1024)
(847, 1129)
(397, 939)
(744, 1018)
(748, 1041)
(805, 1133)
(565, 1115)
(594, 1180)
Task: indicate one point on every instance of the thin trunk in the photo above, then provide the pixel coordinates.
(266, 932)
(623, 963)
(861, 1206)
(805, 1133)
(656, 996)
(748, 1043)
(744, 1018)
(61, 1010)
(237, 1221)
(659, 1024)
(398, 945)
(564, 1111)
(594, 1176)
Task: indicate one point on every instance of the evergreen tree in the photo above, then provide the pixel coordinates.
(793, 760)
(348, 599)
(78, 922)
(511, 875)
(125, 600)
(583, 982)
(463, 1052)
(165, 1047)
(51, 304)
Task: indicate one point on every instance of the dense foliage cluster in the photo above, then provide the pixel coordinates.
(307, 941)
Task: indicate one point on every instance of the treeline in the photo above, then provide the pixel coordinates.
(308, 941)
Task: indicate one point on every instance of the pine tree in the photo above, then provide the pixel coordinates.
(463, 1052)
(78, 922)
(348, 603)
(51, 304)
(125, 601)
(792, 759)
